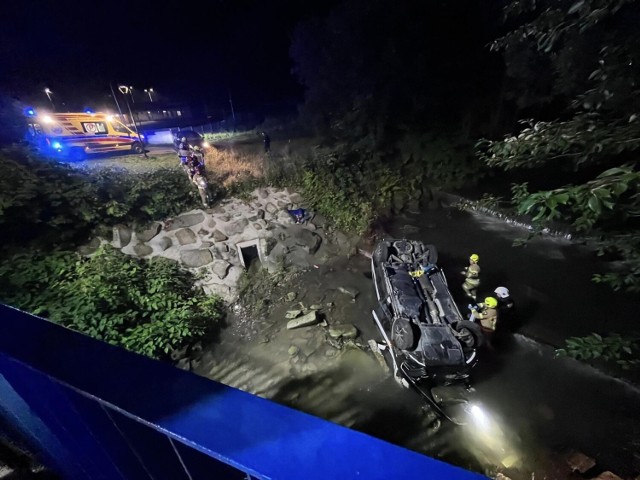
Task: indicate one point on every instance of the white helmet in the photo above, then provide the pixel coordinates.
(502, 292)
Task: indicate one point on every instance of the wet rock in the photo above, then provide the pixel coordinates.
(306, 320)
(206, 244)
(149, 232)
(579, 462)
(343, 331)
(330, 352)
(292, 314)
(196, 258)
(607, 476)
(352, 292)
(164, 243)
(184, 221)
(236, 227)
(211, 223)
(310, 226)
(202, 232)
(291, 296)
(90, 247)
(220, 268)
(293, 350)
(121, 236)
(142, 250)
(319, 221)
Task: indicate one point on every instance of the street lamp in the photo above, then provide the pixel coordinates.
(149, 91)
(131, 93)
(49, 92)
(127, 90)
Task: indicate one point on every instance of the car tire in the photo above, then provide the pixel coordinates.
(470, 333)
(137, 148)
(402, 334)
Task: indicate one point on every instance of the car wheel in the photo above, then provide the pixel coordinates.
(137, 148)
(469, 334)
(402, 334)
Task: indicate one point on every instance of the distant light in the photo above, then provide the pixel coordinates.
(30, 112)
(110, 118)
(56, 145)
(47, 119)
(89, 111)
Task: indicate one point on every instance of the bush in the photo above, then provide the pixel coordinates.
(52, 204)
(147, 306)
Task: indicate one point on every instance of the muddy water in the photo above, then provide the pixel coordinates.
(528, 405)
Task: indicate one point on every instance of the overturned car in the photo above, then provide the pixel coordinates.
(429, 342)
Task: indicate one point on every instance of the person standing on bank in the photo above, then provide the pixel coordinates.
(267, 142)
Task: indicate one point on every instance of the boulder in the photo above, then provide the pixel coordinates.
(206, 244)
(306, 320)
(292, 314)
(185, 236)
(121, 236)
(271, 208)
(142, 250)
(281, 204)
(196, 258)
(184, 221)
(164, 243)
(220, 268)
(211, 222)
(343, 331)
(295, 198)
(218, 236)
(149, 232)
(578, 461)
(90, 247)
(306, 239)
(236, 227)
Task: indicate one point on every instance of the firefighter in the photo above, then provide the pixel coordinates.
(472, 277)
(487, 313)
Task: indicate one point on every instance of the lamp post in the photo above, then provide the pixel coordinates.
(131, 93)
(49, 92)
(127, 90)
(149, 91)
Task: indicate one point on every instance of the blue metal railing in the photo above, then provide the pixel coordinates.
(94, 411)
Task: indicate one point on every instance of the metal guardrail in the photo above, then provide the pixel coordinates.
(90, 410)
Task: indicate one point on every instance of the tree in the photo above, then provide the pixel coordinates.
(591, 49)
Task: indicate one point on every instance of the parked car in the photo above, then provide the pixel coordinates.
(194, 139)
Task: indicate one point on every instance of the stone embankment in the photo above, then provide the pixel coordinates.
(220, 243)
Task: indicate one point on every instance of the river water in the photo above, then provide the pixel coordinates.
(530, 407)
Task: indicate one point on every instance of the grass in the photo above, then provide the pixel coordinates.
(228, 167)
(131, 163)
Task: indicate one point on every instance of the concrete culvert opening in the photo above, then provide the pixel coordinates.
(249, 254)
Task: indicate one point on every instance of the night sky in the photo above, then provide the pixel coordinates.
(184, 51)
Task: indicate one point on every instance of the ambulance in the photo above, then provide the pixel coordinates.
(77, 135)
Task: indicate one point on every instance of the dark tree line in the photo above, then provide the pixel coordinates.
(551, 85)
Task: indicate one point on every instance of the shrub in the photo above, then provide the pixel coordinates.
(147, 306)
